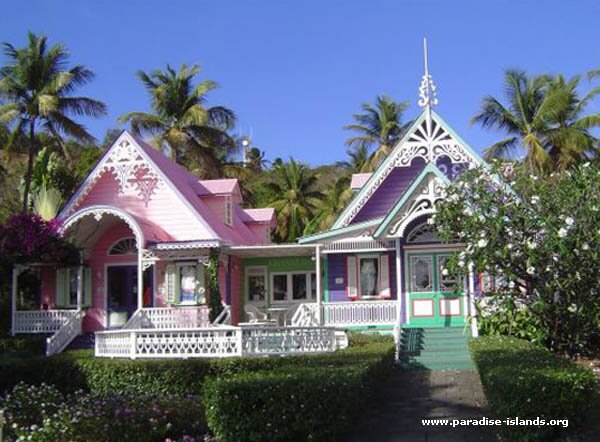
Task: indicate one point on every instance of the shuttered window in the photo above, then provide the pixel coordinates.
(185, 283)
(66, 287)
(368, 277)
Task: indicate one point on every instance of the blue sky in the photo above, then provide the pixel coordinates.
(296, 71)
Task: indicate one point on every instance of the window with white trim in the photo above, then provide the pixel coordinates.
(293, 286)
(125, 246)
(185, 283)
(368, 276)
(66, 287)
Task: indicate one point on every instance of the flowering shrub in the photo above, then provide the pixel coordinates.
(42, 413)
(525, 380)
(26, 237)
(540, 238)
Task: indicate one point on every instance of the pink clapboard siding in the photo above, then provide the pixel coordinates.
(164, 209)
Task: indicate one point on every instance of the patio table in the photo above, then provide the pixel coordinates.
(279, 314)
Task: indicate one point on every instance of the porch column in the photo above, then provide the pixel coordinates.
(474, 328)
(318, 278)
(79, 286)
(399, 281)
(140, 278)
(13, 297)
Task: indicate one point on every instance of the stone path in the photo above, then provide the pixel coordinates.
(408, 397)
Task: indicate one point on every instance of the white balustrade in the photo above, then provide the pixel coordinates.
(63, 337)
(359, 246)
(41, 321)
(345, 314)
(217, 342)
(175, 317)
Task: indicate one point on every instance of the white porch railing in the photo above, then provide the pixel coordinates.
(41, 321)
(169, 318)
(63, 337)
(216, 342)
(348, 314)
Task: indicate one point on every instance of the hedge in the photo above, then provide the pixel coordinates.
(79, 370)
(528, 381)
(295, 403)
(30, 345)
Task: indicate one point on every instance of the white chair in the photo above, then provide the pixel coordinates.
(254, 314)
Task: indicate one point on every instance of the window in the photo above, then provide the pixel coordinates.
(125, 246)
(66, 287)
(421, 270)
(369, 276)
(185, 283)
(228, 211)
(447, 282)
(257, 284)
(294, 286)
(72, 289)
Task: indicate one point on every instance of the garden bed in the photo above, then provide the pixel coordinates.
(281, 398)
(525, 380)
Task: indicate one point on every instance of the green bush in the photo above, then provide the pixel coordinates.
(298, 401)
(32, 345)
(42, 413)
(528, 381)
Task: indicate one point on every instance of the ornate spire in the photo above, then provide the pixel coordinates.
(427, 93)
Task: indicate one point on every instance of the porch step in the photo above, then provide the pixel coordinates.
(435, 349)
(82, 341)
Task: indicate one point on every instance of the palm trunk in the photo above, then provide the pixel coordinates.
(29, 173)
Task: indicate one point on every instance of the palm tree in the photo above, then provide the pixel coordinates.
(543, 116)
(37, 88)
(358, 160)
(379, 125)
(295, 198)
(195, 134)
(330, 206)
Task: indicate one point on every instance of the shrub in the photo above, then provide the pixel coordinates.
(296, 402)
(524, 380)
(33, 345)
(42, 413)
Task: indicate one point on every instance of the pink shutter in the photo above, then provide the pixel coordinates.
(384, 277)
(351, 277)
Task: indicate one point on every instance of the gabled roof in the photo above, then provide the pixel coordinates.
(430, 169)
(265, 215)
(217, 187)
(332, 233)
(429, 137)
(183, 184)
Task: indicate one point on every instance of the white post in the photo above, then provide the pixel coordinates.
(474, 328)
(140, 279)
(132, 345)
(14, 289)
(318, 279)
(399, 282)
(79, 286)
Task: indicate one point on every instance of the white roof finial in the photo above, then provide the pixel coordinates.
(427, 93)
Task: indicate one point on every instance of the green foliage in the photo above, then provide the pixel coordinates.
(214, 298)
(295, 402)
(543, 116)
(42, 413)
(533, 236)
(504, 315)
(525, 380)
(30, 345)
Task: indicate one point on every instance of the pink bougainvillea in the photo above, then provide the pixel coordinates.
(27, 238)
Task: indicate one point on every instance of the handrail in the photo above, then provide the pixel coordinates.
(224, 318)
(64, 335)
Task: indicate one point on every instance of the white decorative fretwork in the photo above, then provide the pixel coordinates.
(148, 259)
(125, 246)
(421, 203)
(359, 245)
(65, 335)
(218, 342)
(427, 89)
(170, 317)
(41, 321)
(431, 141)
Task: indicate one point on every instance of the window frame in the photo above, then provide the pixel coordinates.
(200, 289)
(376, 257)
(256, 271)
(289, 295)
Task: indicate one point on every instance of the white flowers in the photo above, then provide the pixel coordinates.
(562, 232)
(445, 272)
(468, 211)
(535, 199)
(511, 285)
(482, 243)
(532, 244)
(531, 270)
(569, 221)
(585, 246)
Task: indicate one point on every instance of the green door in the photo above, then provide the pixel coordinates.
(432, 298)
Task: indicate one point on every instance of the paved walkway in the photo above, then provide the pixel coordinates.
(408, 397)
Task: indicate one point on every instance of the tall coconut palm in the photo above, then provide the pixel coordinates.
(37, 87)
(295, 198)
(195, 134)
(358, 160)
(330, 206)
(543, 116)
(380, 126)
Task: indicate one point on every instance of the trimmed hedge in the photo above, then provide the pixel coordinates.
(296, 404)
(31, 345)
(79, 370)
(528, 381)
